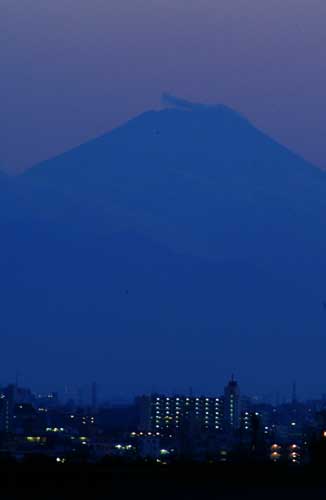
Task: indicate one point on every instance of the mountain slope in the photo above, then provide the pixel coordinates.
(185, 238)
(192, 179)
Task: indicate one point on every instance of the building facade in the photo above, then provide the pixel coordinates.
(232, 410)
(173, 415)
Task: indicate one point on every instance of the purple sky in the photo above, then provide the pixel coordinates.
(73, 69)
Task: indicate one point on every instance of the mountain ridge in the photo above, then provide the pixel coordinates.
(215, 162)
(216, 110)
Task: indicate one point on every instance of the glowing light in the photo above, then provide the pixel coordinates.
(34, 439)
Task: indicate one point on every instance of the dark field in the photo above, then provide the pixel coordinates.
(179, 482)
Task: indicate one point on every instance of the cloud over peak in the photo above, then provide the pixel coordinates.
(171, 100)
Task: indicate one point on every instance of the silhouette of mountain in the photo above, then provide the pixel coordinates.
(216, 231)
(196, 180)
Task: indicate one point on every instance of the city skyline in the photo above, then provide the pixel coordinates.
(85, 391)
(225, 428)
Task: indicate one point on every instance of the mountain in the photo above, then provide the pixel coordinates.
(200, 181)
(176, 249)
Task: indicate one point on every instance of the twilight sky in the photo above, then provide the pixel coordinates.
(73, 69)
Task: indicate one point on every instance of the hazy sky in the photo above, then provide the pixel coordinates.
(72, 69)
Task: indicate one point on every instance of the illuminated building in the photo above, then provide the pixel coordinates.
(232, 405)
(48, 400)
(7, 403)
(294, 454)
(169, 416)
(275, 452)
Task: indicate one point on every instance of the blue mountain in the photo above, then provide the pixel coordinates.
(176, 249)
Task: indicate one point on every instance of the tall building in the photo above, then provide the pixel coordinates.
(7, 404)
(170, 416)
(232, 405)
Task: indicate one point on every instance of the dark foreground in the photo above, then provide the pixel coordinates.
(179, 482)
